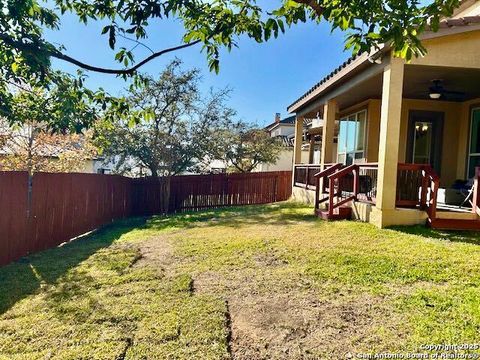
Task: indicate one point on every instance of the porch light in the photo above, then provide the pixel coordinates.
(435, 95)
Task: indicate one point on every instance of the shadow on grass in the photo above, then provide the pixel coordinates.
(25, 277)
(271, 214)
(470, 237)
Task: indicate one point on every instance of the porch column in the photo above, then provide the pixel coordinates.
(297, 148)
(328, 131)
(390, 120)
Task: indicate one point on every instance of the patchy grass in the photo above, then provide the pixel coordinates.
(248, 283)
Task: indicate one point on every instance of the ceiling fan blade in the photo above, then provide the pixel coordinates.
(436, 89)
(453, 92)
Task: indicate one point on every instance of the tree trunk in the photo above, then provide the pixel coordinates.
(168, 204)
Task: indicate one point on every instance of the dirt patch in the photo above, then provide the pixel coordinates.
(293, 323)
(271, 316)
(284, 326)
(157, 252)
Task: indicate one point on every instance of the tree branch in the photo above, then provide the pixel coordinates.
(313, 4)
(33, 48)
(137, 42)
(128, 71)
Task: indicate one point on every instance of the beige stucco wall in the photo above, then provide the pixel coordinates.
(284, 162)
(458, 50)
(384, 218)
(373, 129)
(303, 195)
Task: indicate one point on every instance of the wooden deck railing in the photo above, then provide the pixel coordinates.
(304, 175)
(417, 186)
(476, 192)
(430, 185)
(368, 178)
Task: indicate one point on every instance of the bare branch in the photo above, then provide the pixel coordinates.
(137, 42)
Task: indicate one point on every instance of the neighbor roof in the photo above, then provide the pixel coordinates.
(287, 121)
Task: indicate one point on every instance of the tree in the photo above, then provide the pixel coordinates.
(169, 127)
(26, 52)
(243, 147)
(32, 148)
(30, 130)
(63, 106)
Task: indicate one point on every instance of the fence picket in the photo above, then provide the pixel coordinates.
(64, 206)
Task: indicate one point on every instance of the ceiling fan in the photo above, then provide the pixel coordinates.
(437, 91)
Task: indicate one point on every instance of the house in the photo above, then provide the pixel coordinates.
(284, 130)
(400, 141)
(31, 148)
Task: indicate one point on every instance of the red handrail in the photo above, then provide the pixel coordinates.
(351, 169)
(328, 171)
(430, 181)
(344, 171)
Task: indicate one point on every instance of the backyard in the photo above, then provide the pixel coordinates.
(258, 282)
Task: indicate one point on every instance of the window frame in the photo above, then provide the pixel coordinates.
(469, 153)
(355, 152)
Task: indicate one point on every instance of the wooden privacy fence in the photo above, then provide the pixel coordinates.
(57, 208)
(197, 192)
(54, 208)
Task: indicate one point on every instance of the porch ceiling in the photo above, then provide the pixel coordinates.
(417, 81)
(370, 88)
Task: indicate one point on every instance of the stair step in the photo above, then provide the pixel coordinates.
(452, 215)
(340, 213)
(455, 224)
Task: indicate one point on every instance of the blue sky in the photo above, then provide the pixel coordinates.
(265, 78)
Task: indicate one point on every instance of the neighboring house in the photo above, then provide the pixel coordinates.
(29, 148)
(113, 165)
(284, 130)
(408, 133)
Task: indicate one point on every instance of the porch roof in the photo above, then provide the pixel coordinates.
(358, 63)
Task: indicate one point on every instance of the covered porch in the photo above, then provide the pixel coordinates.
(400, 142)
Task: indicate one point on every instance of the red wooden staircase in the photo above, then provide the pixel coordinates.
(336, 186)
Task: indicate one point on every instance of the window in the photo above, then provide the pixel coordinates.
(474, 148)
(351, 138)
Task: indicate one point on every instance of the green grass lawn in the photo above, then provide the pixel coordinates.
(262, 282)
